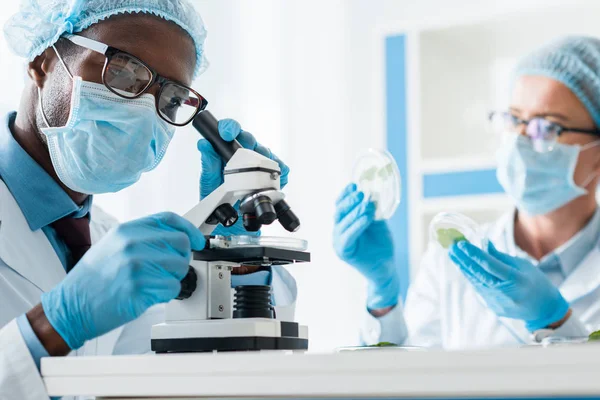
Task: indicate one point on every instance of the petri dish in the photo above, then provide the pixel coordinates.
(376, 174)
(564, 341)
(387, 348)
(245, 241)
(448, 227)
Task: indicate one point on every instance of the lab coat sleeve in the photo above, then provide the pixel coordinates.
(418, 322)
(423, 301)
(34, 345)
(19, 376)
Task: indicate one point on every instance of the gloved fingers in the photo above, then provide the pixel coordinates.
(177, 222)
(351, 235)
(207, 150)
(247, 140)
(263, 150)
(487, 262)
(285, 170)
(212, 169)
(168, 290)
(471, 267)
(365, 208)
(347, 205)
(348, 190)
(211, 161)
(229, 129)
(162, 266)
(344, 238)
(159, 285)
(475, 281)
(503, 257)
(170, 242)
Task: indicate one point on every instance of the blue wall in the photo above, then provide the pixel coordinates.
(461, 183)
(396, 125)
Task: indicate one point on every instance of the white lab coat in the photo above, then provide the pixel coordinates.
(443, 310)
(35, 268)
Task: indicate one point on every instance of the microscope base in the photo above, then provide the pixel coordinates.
(249, 334)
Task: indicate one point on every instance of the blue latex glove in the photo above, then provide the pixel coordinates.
(366, 245)
(213, 165)
(135, 266)
(512, 287)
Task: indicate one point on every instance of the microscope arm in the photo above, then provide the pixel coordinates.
(246, 172)
(203, 210)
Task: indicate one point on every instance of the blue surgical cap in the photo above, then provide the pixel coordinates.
(40, 23)
(575, 62)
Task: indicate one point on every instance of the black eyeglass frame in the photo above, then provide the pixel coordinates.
(560, 129)
(110, 52)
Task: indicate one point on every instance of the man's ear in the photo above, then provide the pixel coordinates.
(38, 68)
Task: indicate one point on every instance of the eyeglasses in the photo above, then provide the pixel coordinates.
(129, 77)
(542, 133)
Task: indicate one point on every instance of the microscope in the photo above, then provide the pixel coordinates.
(204, 317)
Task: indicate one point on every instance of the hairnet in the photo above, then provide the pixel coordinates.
(40, 23)
(573, 61)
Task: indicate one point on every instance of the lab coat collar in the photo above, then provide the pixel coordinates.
(574, 252)
(584, 279)
(39, 196)
(27, 252)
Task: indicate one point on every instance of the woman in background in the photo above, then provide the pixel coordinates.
(540, 274)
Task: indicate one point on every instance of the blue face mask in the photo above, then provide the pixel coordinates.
(108, 141)
(539, 182)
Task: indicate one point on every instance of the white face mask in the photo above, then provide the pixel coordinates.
(108, 141)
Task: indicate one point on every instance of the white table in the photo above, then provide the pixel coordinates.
(527, 372)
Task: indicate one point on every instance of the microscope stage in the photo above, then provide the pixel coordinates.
(245, 334)
(253, 256)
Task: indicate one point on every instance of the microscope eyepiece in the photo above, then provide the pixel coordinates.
(264, 210)
(251, 223)
(287, 218)
(208, 126)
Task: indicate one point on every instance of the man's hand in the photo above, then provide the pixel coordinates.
(135, 266)
(212, 167)
(512, 287)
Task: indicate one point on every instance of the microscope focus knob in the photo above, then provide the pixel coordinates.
(225, 214)
(188, 285)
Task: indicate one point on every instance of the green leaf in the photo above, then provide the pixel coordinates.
(594, 336)
(368, 175)
(447, 237)
(384, 344)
